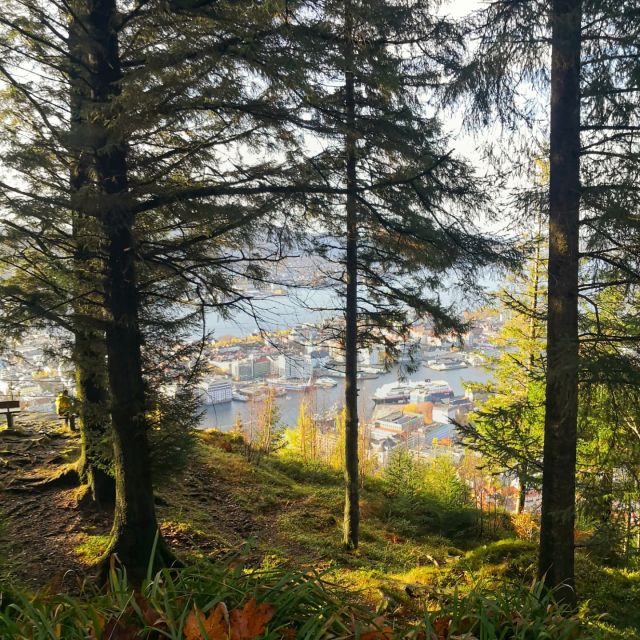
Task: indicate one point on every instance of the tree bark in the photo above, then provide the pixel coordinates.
(135, 535)
(522, 496)
(352, 490)
(556, 559)
(89, 348)
(94, 466)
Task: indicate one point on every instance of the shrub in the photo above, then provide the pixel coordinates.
(298, 603)
(525, 526)
(513, 611)
(172, 423)
(427, 496)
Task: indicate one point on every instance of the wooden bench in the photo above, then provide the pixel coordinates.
(10, 408)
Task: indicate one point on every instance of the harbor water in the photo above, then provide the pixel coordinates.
(321, 400)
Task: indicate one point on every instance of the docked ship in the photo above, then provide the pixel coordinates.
(217, 392)
(368, 373)
(236, 396)
(326, 382)
(420, 391)
(446, 365)
(291, 384)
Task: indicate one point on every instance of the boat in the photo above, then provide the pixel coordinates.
(291, 384)
(368, 374)
(447, 365)
(393, 393)
(475, 360)
(419, 391)
(332, 373)
(236, 396)
(217, 392)
(363, 374)
(326, 382)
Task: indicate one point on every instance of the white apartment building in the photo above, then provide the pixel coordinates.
(295, 366)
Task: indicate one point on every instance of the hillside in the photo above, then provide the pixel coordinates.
(280, 513)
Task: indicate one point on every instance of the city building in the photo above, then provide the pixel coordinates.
(295, 366)
(261, 367)
(372, 356)
(242, 369)
(398, 422)
(455, 411)
(252, 368)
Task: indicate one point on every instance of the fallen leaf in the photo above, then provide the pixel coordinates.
(380, 631)
(441, 627)
(192, 625)
(151, 617)
(465, 625)
(214, 626)
(386, 633)
(250, 621)
(116, 630)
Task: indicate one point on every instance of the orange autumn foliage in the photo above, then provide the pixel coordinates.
(244, 623)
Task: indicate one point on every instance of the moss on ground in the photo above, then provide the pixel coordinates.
(285, 513)
(293, 517)
(91, 548)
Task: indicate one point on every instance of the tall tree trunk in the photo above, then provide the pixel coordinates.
(89, 348)
(522, 491)
(556, 559)
(351, 504)
(96, 459)
(135, 527)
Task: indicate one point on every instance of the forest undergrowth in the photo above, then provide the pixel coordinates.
(265, 541)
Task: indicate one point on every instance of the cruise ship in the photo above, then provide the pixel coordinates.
(420, 391)
(217, 392)
(446, 365)
(290, 384)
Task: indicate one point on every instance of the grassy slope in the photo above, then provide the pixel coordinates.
(294, 516)
(291, 514)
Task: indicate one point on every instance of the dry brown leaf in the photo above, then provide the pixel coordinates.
(380, 631)
(191, 629)
(151, 617)
(214, 626)
(250, 621)
(117, 630)
(386, 633)
(441, 627)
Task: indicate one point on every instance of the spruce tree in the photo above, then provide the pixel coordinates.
(507, 428)
(160, 212)
(593, 163)
(397, 215)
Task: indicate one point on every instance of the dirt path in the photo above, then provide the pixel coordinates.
(41, 529)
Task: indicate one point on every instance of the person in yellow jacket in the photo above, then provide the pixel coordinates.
(65, 407)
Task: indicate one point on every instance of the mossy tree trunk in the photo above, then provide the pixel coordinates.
(556, 559)
(94, 465)
(96, 458)
(352, 490)
(135, 527)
